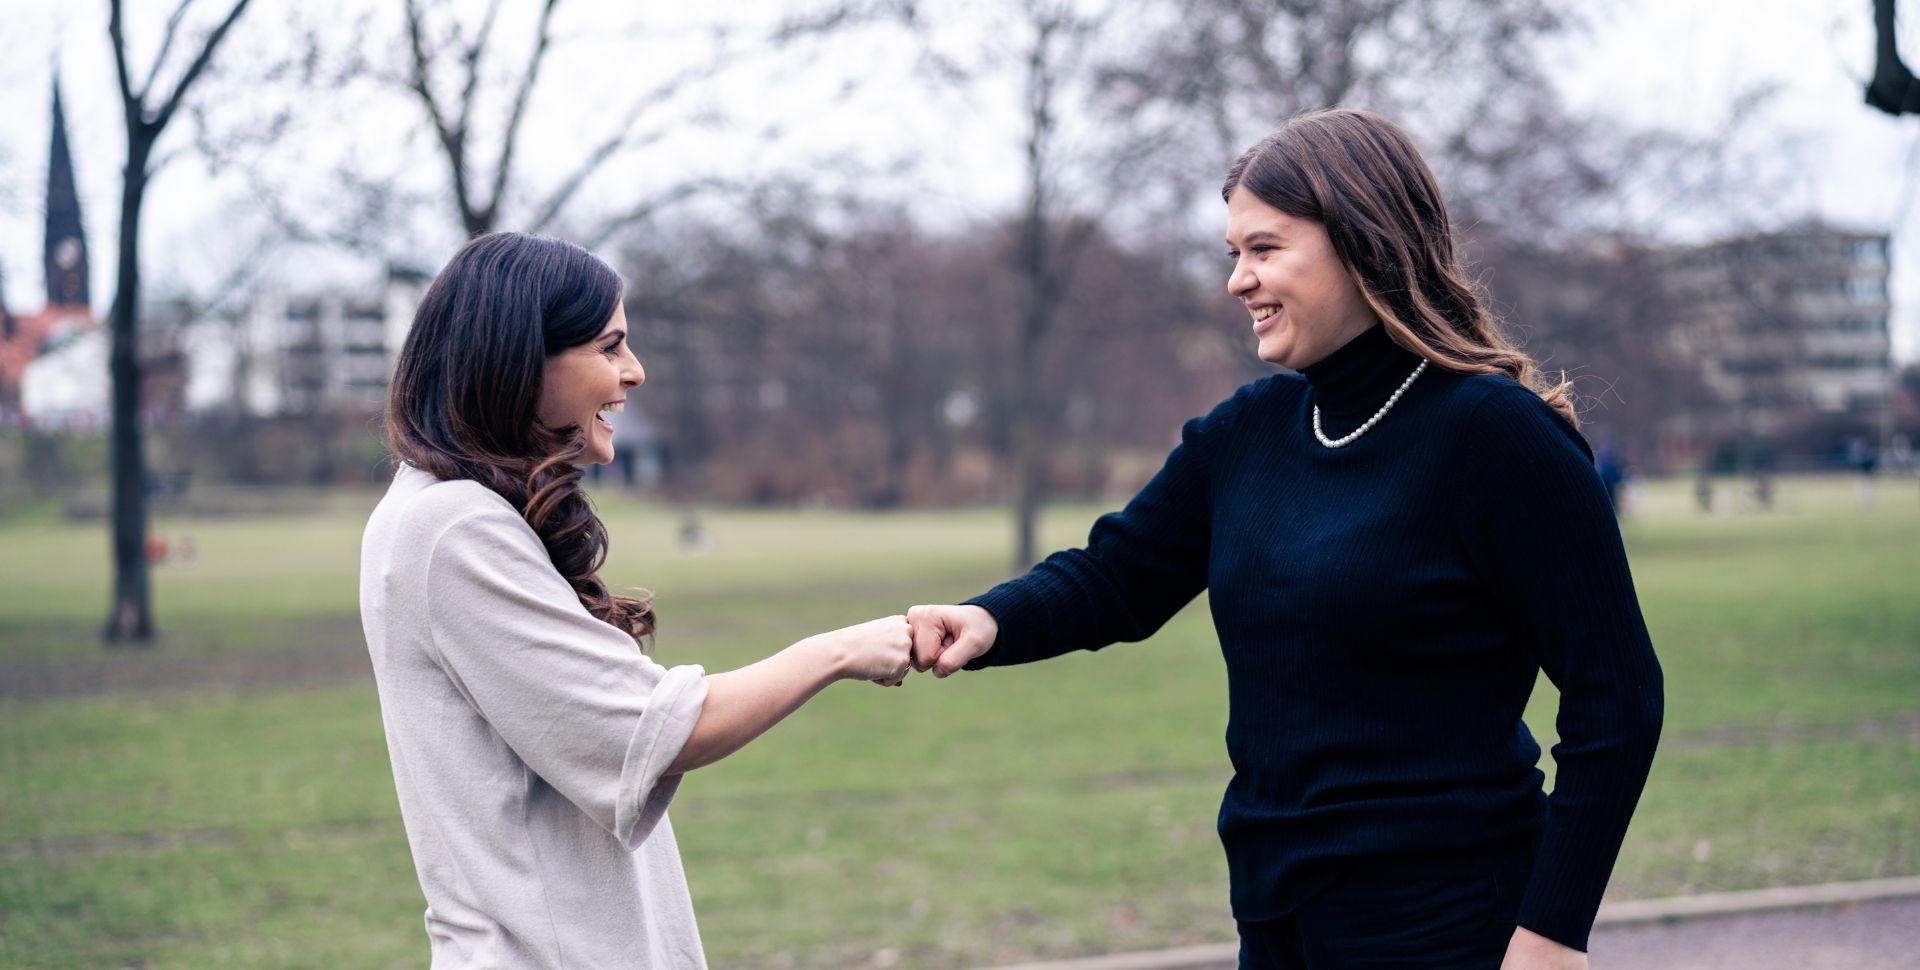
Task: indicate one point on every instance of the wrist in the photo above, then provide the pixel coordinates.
(986, 630)
(824, 656)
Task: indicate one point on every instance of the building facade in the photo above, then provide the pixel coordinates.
(1790, 331)
(293, 355)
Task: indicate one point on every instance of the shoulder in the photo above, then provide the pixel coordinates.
(1247, 403)
(1273, 389)
(1277, 390)
(424, 512)
(1505, 416)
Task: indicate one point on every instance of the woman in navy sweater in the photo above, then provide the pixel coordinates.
(1395, 541)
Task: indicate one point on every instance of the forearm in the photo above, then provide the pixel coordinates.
(1602, 766)
(742, 704)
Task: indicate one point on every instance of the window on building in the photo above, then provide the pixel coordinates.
(1868, 252)
(1854, 325)
(1850, 362)
(1867, 289)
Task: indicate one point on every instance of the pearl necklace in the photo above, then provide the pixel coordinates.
(1377, 415)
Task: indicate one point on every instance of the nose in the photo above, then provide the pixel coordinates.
(1241, 281)
(631, 373)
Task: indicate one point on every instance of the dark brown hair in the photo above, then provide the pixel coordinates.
(1359, 175)
(466, 392)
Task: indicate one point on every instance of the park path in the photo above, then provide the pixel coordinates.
(1878, 935)
(1882, 935)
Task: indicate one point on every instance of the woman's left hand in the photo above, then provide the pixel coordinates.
(1531, 951)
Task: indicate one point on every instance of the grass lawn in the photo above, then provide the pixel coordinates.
(1056, 809)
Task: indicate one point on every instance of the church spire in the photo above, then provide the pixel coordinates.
(66, 255)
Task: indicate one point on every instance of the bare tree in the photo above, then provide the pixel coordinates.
(1213, 76)
(1054, 51)
(147, 112)
(1048, 44)
(446, 68)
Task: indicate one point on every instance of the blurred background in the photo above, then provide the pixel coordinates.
(921, 288)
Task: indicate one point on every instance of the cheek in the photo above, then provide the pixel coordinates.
(572, 393)
(1332, 287)
(554, 404)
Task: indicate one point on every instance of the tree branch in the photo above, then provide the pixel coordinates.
(470, 58)
(542, 37)
(166, 44)
(453, 140)
(646, 209)
(199, 64)
(843, 15)
(131, 102)
(623, 139)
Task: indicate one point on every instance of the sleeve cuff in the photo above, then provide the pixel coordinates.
(1018, 611)
(664, 727)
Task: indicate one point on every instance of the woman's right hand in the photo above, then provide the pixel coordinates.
(877, 650)
(947, 637)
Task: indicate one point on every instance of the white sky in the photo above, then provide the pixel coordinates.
(1677, 63)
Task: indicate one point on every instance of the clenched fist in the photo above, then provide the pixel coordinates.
(877, 650)
(945, 638)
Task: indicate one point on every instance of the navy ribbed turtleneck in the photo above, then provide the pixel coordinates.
(1352, 383)
(1384, 609)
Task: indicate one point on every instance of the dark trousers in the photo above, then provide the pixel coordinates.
(1451, 910)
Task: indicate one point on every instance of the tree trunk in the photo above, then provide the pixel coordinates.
(1024, 426)
(131, 621)
(1024, 431)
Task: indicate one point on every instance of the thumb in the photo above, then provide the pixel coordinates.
(971, 643)
(931, 630)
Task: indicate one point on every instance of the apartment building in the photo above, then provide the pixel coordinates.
(1789, 330)
(299, 354)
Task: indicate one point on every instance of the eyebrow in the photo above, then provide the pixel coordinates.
(1260, 234)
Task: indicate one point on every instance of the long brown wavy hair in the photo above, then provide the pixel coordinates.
(466, 392)
(1359, 175)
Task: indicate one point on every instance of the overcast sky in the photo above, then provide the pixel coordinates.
(1675, 63)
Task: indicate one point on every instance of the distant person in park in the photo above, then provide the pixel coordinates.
(535, 744)
(1395, 541)
(1613, 476)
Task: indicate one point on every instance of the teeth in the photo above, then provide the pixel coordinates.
(1265, 312)
(616, 407)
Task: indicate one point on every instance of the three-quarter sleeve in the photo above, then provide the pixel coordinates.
(571, 696)
(1541, 534)
(1139, 567)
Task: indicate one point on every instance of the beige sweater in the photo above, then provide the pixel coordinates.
(529, 742)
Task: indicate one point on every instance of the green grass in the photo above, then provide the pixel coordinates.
(254, 584)
(1056, 809)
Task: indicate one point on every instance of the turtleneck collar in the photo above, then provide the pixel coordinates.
(1359, 377)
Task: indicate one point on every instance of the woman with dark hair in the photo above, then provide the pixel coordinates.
(1395, 541)
(535, 745)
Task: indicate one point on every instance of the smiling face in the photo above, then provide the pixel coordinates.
(1304, 303)
(583, 381)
